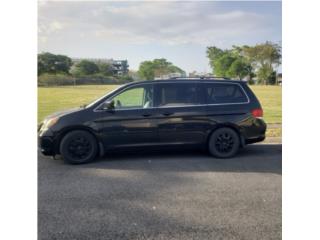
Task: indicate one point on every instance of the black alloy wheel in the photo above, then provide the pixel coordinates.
(78, 147)
(224, 143)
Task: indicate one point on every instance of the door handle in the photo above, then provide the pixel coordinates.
(167, 113)
(146, 114)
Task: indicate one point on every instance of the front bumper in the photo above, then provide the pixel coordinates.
(46, 146)
(46, 143)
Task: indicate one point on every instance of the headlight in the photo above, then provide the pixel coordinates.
(49, 123)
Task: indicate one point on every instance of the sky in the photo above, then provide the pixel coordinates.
(139, 31)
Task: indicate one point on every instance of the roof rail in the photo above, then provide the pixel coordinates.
(202, 77)
(214, 77)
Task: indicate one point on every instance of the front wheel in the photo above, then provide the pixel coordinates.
(224, 143)
(78, 147)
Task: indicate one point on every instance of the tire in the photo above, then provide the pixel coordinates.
(224, 143)
(78, 147)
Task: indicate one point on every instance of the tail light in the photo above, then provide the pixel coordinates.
(257, 112)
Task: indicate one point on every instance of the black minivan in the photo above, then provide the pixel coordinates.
(221, 115)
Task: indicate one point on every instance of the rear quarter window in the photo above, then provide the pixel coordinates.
(220, 93)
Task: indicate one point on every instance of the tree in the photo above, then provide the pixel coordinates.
(146, 70)
(175, 69)
(160, 67)
(262, 54)
(272, 79)
(214, 53)
(228, 63)
(105, 69)
(242, 61)
(86, 67)
(157, 68)
(223, 63)
(264, 73)
(264, 58)
(239, 69)
(51, 63)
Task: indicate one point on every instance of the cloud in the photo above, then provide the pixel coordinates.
(149, 22)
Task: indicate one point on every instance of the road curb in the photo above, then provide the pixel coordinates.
(272, 140)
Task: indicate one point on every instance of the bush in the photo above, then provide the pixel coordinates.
(86, 67)
(251, 82)
(55, 79)
(97, 78)
(124, 79)
(272, 79)
(63, 79)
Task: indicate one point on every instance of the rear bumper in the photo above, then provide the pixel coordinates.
(256, 132)
(255, 140)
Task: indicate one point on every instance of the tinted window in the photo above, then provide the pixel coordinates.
(225, 93)
(136, 97)
(177, 94)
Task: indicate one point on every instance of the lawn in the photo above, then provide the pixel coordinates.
(54, 99)
(58, 98)
(270, 98)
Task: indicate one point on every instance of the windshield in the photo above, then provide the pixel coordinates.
(97, 100)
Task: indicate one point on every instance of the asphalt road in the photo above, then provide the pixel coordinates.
(156, 195)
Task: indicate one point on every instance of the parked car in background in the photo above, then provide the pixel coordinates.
(219, 114)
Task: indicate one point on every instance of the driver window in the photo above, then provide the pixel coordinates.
(137, 97)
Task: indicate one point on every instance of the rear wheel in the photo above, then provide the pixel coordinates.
(224, 143)
(78, 147)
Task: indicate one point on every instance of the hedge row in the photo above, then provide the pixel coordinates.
(62, 80)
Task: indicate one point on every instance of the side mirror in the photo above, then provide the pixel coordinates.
(108, 105)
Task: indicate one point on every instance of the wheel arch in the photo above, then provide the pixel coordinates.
(227, 125)
(67, 130)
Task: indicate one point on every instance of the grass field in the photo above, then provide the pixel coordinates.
(59, 98)
(270, 98)
(55, 99)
